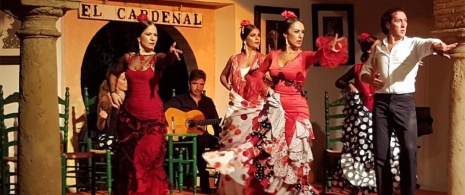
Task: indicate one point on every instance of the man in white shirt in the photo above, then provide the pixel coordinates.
(392, 69)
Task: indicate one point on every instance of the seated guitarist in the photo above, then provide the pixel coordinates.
(196, 100)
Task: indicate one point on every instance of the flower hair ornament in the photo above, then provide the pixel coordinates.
(288, 14)
(365, 37)
(244, 23)
(142, 18)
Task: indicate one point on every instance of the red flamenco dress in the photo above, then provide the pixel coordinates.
(278, 151)
(141, 129)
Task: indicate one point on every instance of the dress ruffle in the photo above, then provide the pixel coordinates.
(356, 167)
(237, 127)
(284, 172)
(330, 58)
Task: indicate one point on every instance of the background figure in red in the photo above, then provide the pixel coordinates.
(141, 125)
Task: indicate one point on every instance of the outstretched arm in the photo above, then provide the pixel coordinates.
(332, 52)
(225, 74)
(164, 59)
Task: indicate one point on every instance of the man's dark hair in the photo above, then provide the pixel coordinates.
(387, 17)
(197, 74)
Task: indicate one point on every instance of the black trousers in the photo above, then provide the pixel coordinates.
(395, 113)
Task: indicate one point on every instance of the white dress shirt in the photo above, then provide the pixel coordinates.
(398, 67)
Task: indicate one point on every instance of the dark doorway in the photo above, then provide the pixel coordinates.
(115, 39)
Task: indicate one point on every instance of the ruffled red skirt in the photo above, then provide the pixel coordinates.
(140, 156)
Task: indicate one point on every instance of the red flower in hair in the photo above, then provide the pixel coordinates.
(288, 14)
(142, 18)
(363, 37)
(245, 23)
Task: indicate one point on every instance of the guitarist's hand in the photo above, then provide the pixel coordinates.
(200, 128)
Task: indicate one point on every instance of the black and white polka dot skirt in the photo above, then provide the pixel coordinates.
(356, 166)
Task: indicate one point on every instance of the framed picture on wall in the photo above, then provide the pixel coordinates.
(9, 41)
(329, 19)
(269, 21)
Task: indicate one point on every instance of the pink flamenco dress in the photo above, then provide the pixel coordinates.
(278, 154)
(141, 129)
(237, 125)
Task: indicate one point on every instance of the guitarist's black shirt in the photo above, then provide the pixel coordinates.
(185, 103)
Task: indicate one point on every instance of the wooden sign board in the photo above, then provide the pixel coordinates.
(129, 14)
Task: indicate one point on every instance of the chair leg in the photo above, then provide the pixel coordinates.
(194, 164)
(325, 173)
(109, 175)
(170, 164)
(92, 176)
(180, 170)
(63, 174)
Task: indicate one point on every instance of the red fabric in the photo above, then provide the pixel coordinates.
(366, 90)
(293, 103)
(142, 99)
(141, 128)
(329, 58)
(240, 85)
(140, 156)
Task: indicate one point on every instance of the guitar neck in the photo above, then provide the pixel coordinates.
(208, 122)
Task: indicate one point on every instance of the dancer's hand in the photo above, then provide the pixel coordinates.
(378, 84)
(421, 63)
(116, 99)
(103, 114)
(175, 51)
(335, 43)
(443, 49)
(352, 88)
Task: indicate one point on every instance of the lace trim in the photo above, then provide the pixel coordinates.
(288, 83)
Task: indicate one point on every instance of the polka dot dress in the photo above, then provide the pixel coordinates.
(106, 141)
(356, 167)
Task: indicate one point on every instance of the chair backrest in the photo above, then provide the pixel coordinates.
(6, 143)
(331, 119)
(63, 112)
(89, 103)
(8, 126)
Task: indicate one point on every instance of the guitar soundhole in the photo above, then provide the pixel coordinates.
(190, 123)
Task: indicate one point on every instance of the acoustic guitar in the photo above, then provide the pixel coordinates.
(192, 122)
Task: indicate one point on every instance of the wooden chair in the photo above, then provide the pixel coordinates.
(331, 155)
(102, 159)
(182, 160)
(8, 145)
(82, 174)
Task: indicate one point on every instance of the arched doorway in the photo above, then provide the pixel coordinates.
(117, 38)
